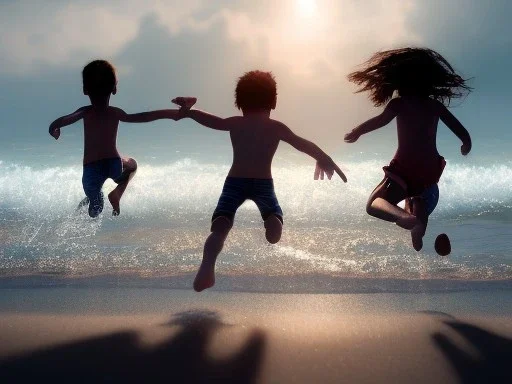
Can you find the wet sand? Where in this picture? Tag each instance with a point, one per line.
(247, 338)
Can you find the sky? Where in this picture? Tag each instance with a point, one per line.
(163, 49)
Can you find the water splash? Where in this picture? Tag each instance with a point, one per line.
(166, 212)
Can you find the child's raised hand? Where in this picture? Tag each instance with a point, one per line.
(465, 149)
(55, 132)
(328, 168)
(185, 102)
(352, 136)
(319, 172)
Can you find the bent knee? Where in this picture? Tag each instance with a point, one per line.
(130, 164)
(274, 229)
(369, 209)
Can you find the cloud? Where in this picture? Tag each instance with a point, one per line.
(337, 35)
(38, 34)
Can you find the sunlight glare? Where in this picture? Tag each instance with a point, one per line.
(306, 8)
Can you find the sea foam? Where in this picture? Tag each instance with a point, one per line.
(166, 211)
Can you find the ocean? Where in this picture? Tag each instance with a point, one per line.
(329, 243)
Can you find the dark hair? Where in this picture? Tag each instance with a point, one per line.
(256, 90)
(409, 71)
(99, 78)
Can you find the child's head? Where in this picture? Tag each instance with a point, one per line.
(409, 71)
(256, 90)
(99, 79)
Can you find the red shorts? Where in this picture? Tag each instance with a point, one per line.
(412, 178)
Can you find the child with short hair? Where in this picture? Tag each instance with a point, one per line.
(101, 158)
(255, 138)
(424, 82)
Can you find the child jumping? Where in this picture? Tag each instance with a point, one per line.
(255, 138)
(101, 159)
(424, 82)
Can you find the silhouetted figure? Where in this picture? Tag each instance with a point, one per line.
(424, 82)
(488, 362)
(101, 158)
(255, 138)
(121, 358)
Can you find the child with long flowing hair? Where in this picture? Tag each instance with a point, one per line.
(417, 85)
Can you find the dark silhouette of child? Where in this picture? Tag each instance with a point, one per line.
(424, 83)
(101, 158)
(255, 138)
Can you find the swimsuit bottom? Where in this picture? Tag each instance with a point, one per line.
(94, 176)
(238, 189)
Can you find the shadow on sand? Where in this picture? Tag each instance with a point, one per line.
(119, 357)
(488, 359)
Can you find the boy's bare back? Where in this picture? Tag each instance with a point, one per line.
(100, 133)
(255, 140)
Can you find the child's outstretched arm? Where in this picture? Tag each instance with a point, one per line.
(377, 122)
(207, 119)
(324, 162)
(201, 117)
(63, 121)
(146, 117)
(457, 128)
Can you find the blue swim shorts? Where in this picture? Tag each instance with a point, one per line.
(94, 176)
(238, 189)
(431, 197)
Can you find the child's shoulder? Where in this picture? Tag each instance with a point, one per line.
(110, 111)
(81, 112)
(401, 102)
(115, 112)
(396, 102)
(113, 109)
(243, 120)
(277, 124)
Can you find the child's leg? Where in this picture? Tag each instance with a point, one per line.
(383, 204)
(421, 207)
(273, 228)
(129, 169)
(263, 194)
(231, 198)
(213, 245)
(417, 207)
(92, 182)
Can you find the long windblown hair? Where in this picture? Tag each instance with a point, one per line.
(409, 71)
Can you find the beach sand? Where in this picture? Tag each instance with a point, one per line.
(155, 335)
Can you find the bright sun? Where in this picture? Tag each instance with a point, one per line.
(306, 8)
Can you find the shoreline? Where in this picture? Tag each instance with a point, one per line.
(135, 301)
(297, 284)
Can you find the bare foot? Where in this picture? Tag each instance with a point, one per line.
(205, 277)
(442, 245)
(417, 234)
(407, 222)
(113, 197)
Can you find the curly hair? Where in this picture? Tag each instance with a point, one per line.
(99, 78)
(409, 71)
(256, 90)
